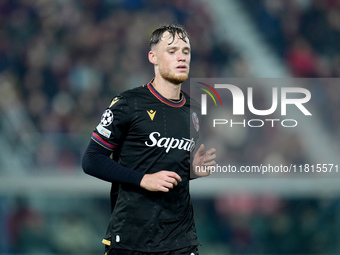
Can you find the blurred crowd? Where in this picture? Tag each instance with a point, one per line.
(32, 225)
(229, 224)
(305, 34)
(69, 58)
(266, 224)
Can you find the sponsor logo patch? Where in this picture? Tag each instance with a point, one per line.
(170, 142)
(115, 100)
(103, 131)
(151, 114)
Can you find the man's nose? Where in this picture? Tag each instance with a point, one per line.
(181, 56)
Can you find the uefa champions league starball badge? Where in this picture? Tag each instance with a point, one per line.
(107, 118)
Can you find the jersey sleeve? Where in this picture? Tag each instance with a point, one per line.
(113, 124)
(106, 137)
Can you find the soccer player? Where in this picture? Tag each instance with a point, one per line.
(142, 145)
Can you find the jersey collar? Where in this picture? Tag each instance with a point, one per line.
(173, 103)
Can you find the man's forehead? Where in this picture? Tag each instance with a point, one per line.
(168, 38)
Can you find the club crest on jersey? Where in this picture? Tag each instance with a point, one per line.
(195, 121)
(107, 118)
(151, 114)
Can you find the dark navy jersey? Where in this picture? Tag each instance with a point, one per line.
(148, 133)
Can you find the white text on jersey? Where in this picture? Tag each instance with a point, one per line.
(170, 143)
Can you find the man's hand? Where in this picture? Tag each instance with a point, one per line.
(160, 181)
(204, 161)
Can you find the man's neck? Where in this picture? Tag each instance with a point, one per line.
(167, 89)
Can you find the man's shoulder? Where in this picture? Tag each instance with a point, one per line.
(190, 100)
(122, 99)
(131, 94)
(134, 91)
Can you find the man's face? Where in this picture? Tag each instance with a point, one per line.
(172, 58)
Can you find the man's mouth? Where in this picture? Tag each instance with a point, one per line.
(182, 67)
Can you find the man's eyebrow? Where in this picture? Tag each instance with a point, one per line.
(171, 47)
(176, 48)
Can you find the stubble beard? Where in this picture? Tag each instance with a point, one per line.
(173, 78)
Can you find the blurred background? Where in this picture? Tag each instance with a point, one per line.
(61, 62)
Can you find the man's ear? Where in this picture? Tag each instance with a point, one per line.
(152, 57)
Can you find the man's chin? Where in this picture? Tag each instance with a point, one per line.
(178, 79)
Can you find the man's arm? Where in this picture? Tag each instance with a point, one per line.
(97, 162)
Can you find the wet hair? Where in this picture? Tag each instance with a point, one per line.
(172, 29)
